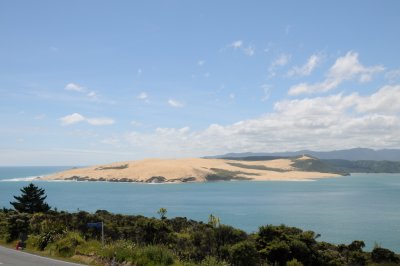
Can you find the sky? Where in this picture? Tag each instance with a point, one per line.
(92, 82)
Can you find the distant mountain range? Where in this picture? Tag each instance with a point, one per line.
(356, 154)
(358, 160)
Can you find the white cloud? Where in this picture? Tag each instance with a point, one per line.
(232, 96)
(386, 101)
(201, 62)
(248, 50)
(92, 95)
(321, 123)
(307, 68)
(72, 119)
(345, 68)
(74, 87)
(143, 96)
(77, 118)
(280, 61)
(139, 72)
(175, 103)
(100, 121)
(236, 44)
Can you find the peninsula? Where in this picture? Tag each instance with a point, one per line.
(297, 168)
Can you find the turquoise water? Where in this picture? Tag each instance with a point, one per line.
(362, 206)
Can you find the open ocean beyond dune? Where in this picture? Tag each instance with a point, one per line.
(358, 207)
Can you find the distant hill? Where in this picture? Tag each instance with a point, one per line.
(364, 166)
(356, 154)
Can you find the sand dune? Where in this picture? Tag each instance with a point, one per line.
(191, 170)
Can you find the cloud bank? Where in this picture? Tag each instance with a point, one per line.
(321, 123)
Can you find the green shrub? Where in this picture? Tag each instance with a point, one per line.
(154, 255)
(244, 254)
(89, 248)
(382, 255)
(33, 242)
(65, 247)
(121, 250)
(294, 262)
(212, 261)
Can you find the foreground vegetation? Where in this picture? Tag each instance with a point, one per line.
(139, 240)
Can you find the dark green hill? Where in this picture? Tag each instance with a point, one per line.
(365, 166)
(336, 166)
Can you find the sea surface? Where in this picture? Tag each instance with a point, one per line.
(357, 207)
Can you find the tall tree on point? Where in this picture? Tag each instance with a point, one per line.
(31, 200)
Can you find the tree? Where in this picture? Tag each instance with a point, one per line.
(162, 212)
(31, 200)
(244, 254)
(214, 221)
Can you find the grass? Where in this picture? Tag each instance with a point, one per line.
(118, 167)
(225, 175)
(258, 167)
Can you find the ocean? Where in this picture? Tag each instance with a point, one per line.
(357, 207)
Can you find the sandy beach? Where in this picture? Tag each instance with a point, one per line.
(192, 170)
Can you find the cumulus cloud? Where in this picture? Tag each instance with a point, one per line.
(307, 68)
(72, 119)
(322, 123)
(74, 87)
(345, 68)
(77, 118)
(175, 103)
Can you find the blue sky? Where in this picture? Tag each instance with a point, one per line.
(87, 82)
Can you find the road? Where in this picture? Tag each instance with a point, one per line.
(11, 257)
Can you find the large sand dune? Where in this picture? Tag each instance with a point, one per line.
(192, 170)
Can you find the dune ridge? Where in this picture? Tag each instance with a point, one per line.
(195, 170)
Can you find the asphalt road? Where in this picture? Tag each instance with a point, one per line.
(11, 257)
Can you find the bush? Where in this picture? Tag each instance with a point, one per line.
(154, 255)
(88, 248)
(212, 261)
(121, 250)
(294, 262)
(380, 255)
(244, 254)
(65, 247)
